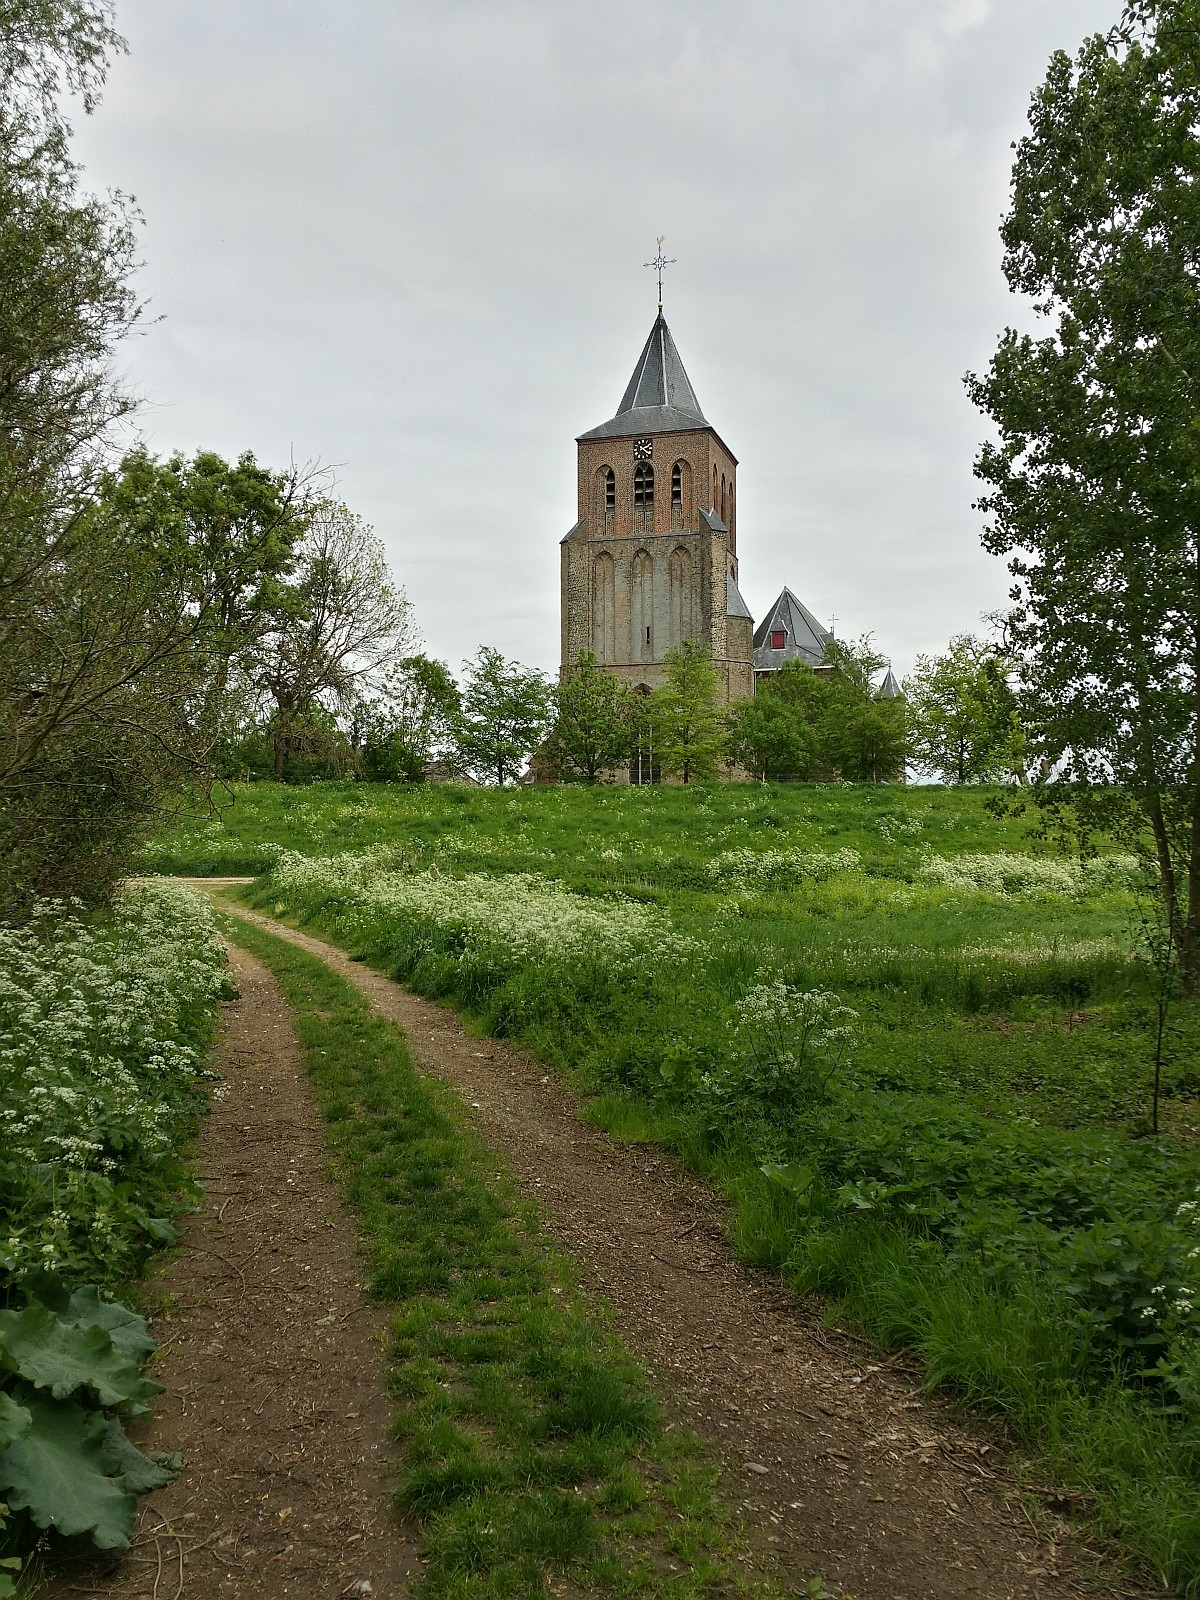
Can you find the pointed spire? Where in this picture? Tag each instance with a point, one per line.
(659, 397)
(659, 378)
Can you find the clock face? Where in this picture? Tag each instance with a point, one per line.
(643, 449)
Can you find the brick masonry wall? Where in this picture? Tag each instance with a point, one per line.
(625, 537)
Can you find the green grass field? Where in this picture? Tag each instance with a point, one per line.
(963, 1166)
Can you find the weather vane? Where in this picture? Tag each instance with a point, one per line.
(660, 261)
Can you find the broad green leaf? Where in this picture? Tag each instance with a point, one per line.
(797, 1180)
(54, 1354)
(59, 1473)
(14, 1420)
(139, 1471)
(127, 1330)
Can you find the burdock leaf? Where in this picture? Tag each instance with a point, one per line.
(52, 1353)
(59, 1474)
(140, 1472)
(15, 1420)
(125, 1328)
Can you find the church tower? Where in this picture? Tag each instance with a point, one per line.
(652, 558)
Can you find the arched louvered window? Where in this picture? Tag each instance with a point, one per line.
(610, 492)
(643, 496)
(723, 519)
(677, 484)
(716, 491)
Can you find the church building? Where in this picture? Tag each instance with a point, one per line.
(652, 558)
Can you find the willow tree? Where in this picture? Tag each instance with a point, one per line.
(1093, 483)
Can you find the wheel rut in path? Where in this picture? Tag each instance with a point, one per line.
(841, 1465)
(270, 1356)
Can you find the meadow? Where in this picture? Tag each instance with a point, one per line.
(910, 1042)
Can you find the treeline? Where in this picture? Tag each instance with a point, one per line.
(955, 719)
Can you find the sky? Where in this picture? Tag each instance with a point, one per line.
(407, 240)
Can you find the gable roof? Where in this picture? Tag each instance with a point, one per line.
(805, 637)
(659, 397)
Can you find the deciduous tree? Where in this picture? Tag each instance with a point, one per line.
(1093, 486)
(962, 718)
(688, 724)
(863, 736)
(592, 723)
(505, 715)
(345, 622)
(778, 735)
(408, 720)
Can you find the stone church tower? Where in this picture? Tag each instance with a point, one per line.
(652, 559)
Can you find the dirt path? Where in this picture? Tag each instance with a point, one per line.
(275, 1388)
(843, 1466)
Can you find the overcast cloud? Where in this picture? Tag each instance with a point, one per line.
(408, 240)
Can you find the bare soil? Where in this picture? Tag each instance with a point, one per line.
(275, 1389)
(841, 1464)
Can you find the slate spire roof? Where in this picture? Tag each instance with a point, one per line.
(659, 398)
(804, 638)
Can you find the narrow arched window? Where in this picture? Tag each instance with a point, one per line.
(610, 492)
(723, 499)
(677, 484)
(643, 495)
(715, 494)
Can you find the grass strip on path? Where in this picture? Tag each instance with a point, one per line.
(536, 1457)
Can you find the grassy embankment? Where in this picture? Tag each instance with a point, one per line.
(533, 1447)
(968, 1174)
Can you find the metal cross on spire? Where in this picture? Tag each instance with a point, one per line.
(660, 261)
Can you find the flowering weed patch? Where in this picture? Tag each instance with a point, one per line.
(1008, 873)
(103, 1032)
(482, 921)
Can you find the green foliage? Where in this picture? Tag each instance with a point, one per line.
(103, 1031)
(804, 725)
(51, 47)
(1092, 487)
(534, 1453)
(408, 721)
(864, 736)
(966, 1175)
(505, 714)
(778, 734)
(788, 1044)
(65, 1460)
(962, 714)
(686, 725)
(593, 724)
